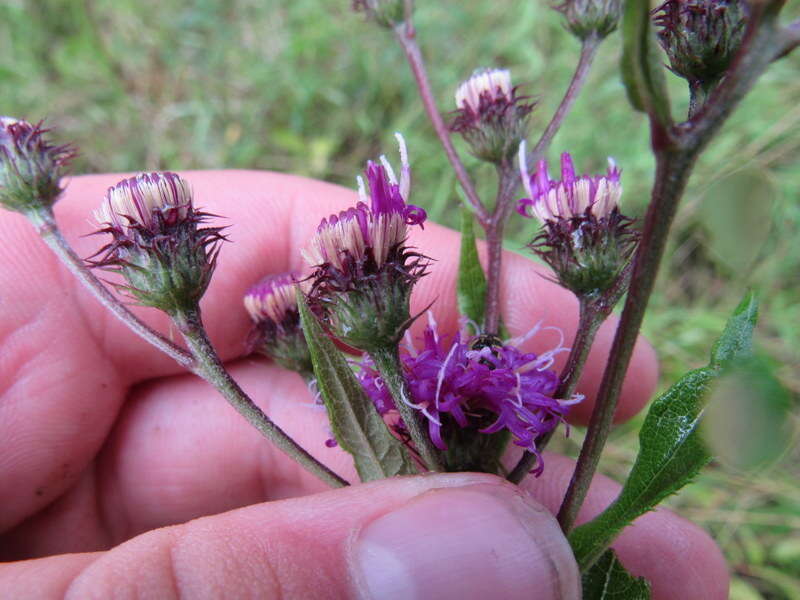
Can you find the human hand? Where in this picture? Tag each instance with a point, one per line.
(104, 442)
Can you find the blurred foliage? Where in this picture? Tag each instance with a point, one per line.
(305, 86)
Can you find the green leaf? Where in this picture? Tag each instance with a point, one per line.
(736, 341)
(471, 287)
(671, 448)
(357, 426)
(608, 580)
(642, 72)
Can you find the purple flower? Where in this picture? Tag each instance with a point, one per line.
(272, 306)
(585, 238)
(376, 225)
(490, 115)
(455, 382)
(30, 166)
(572, 196)
(701, 37)
(157, 242)
(363, 270)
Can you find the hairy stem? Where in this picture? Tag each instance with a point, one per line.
(589, 322)
(406, 36)
(387, 362)
(676, 151)
(46, 226)
(210, 367)
(588, 52)
(507, 183)
(672, 173)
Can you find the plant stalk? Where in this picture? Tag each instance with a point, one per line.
(46, 226)
(676, 151)
(589, 321)
(210, 367)
(406, 36)
(387, 362)
(588, 53)
(504, 204)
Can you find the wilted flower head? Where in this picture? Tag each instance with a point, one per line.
(701, 37)
(490, 115)
(586, 18)
(158, 244)
(272, 305)
(386, 13)
(363, 270)
(461, 383)
(571, 196)
(30, 166)
(585, 240)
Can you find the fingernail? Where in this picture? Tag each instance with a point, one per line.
(479, 541)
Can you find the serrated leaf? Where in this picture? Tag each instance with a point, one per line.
(671, 447)
(736, 341)
(357, 426)
(471, 286)
(642, 71)
(608, 580)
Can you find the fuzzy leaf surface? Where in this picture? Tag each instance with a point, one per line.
(608, 580)
(357, 426)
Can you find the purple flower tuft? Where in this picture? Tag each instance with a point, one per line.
(454, 381)
(572, 196)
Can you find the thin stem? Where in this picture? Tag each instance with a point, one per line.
(588, 53)
(387, 362)
(672, 173)
(507, 183)
(210, 367)
(589, 322)
(698, 96)
(676, 151)
(406, 36)
(47, 228)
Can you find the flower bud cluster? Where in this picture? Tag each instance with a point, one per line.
(277, 333)
(701, 37)
(586, 240)
(158, 245)
(363, 270)
(490, 115)
(591, 18)
(30, 166)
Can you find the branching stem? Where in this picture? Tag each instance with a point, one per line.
(210, 368)
(47, 228)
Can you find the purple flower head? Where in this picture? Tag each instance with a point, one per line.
(571, 196)
(363, 270)
(376, 225)
(31, 167)
(456, 382)
(701, 37)
(490, 115)
(277, 333)
(158, 243)
(148, 201)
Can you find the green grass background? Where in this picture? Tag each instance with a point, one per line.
(305, 86)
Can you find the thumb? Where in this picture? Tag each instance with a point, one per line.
(437, 536)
